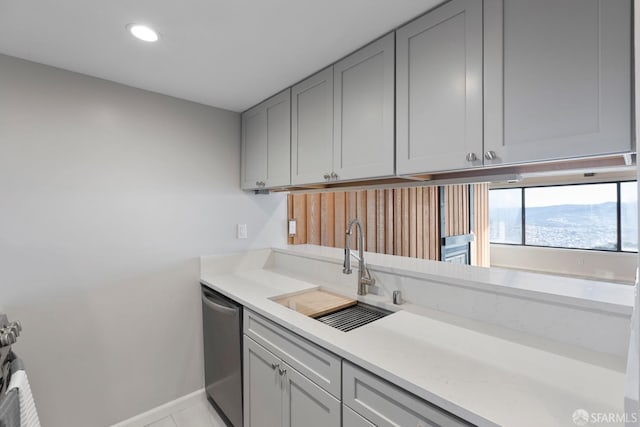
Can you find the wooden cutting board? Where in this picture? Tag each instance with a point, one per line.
(316, 303)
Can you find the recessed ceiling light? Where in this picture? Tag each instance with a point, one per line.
(143, 32)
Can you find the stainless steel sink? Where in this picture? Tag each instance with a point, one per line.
(353, 317)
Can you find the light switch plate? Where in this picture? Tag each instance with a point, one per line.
(292, 227)
(242, 231)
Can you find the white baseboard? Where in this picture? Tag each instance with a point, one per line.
(165, 410)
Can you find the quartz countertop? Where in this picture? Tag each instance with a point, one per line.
(478, 372)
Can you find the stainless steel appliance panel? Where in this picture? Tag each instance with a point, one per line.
(222, 328)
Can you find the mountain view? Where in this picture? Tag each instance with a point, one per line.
(567, 226)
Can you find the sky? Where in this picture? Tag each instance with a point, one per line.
(564, 195)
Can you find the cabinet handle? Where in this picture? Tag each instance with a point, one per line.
(471, 157)
(275, 365)
(490, 155)
(283, 371)
(327, 176)
(334, 175)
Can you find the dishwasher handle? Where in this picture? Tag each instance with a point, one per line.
(218, 304)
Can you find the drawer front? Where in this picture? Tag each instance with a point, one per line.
(319, 365)
(352, 419)
(385, 404)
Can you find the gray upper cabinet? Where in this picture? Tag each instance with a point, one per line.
(312, 129)
(477, 83)
(439, 90)
(557, 79)
(266, 143)
(363, 132)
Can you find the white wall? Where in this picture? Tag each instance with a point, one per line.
(108, 196)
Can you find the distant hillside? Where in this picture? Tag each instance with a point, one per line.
(572, 214)
(571, 226)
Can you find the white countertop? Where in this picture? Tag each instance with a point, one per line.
(593, 294)
(469, 371)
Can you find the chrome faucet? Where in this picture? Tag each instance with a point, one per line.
(364, 277)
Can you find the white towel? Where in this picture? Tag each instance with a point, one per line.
(28, 412)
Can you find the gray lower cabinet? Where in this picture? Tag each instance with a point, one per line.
(439, 90)
(386, 405)
(288, 381)
(262, 384)
(307, 405)
(291, 382)
(352, 419)
(557, 79)
(278, 395)
(266, 143)
(314, 362)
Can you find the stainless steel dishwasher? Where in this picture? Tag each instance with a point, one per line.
(222, 330)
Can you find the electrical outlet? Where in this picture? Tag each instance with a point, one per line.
(242, 231)
(292, 227)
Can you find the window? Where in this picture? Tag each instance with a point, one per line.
(572, 216)
(583, 216)
(629, 216)
(505, 218)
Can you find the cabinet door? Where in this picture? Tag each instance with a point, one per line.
(363, 112)
(307, 405)
(314, 362)
(312, 128)
(352, 419)
(278, 110)
(557, 79)
(262, 386)
(439, 90)
(266, 143)
(254, 147)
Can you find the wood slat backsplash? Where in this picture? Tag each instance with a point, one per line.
(481, 225)
(401, 221)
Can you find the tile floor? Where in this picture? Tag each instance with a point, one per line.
(199, 415)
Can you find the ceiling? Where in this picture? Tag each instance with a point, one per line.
(225, 53)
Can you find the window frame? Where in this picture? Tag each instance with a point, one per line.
(523, 216)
